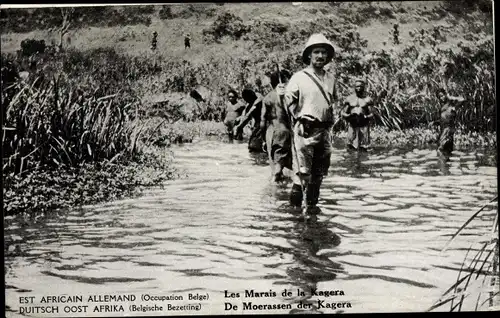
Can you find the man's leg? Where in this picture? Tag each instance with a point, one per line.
(296, 194)
(351, 136)
(255, 140)
(281, 149)
(446, 141)
(364, 136)
(229, 128)
(320, 166)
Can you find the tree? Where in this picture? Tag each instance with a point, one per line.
(67, 15)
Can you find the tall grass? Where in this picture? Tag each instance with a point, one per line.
(403, 80)
(65, 144)
(478, 283)
(403, 83)
(53, 125)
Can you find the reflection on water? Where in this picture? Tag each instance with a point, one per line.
(385, 217)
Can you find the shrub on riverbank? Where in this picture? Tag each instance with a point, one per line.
(63, 145)
(402, 81)
(39, 191)
(424, 137)
(186, 132)
(53, 125)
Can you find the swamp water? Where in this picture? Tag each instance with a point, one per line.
(386, 216)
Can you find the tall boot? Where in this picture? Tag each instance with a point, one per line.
(296, 195)
(312, 194)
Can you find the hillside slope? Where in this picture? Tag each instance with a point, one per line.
(374, 22)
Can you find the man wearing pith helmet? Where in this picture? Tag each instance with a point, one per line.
(310, 97)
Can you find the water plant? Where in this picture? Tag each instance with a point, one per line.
(479, 275)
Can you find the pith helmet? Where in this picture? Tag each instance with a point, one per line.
(317, 39)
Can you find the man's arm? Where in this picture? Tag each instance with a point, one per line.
(263, 113)
(345, 107)
(369, 105)
(457, 100)
(246, 117)
(289, 95)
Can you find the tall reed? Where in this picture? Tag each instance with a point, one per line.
(479, 275)
(52, 124)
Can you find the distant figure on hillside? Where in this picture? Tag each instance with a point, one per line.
(187, 41)
(154, 41)
(234, 109)
(357, 113)
(276, 124)
(448, 105)
(253, 111)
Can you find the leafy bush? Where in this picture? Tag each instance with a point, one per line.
(226, 24)
(42, 190)
(185, 11)
(98, 71)
(66, 141)
(166, 13)
(30, 47)
(26, 20)
(467, 6)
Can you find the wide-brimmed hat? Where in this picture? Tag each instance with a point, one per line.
(316, 40)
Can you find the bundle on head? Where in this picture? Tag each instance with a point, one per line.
(284, 76)
(232, 91)
(248, 95)
(196, 95)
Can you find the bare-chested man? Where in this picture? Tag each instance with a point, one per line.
(276, 124)
(447, 120)
(253, 111)
(234, 109)
(357, 113)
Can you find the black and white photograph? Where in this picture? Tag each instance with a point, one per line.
(237, 158)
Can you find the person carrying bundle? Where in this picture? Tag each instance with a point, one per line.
(276, 124)
(253, 111)
(448, 114)
(357, 113)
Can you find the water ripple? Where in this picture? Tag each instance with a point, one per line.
(385, 217)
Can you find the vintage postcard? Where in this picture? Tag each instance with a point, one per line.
(249, 158)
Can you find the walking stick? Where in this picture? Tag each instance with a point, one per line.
(292, 124)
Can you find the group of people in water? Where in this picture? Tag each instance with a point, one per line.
(294, 121)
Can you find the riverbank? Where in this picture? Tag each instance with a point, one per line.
(40, 191)
(380, 136)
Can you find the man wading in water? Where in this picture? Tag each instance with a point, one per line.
(278, 136)
(358, 114)
(252, 111)
(447, 120)
(234, 108)
(310, 96)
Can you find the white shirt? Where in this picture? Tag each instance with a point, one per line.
(307, 98)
